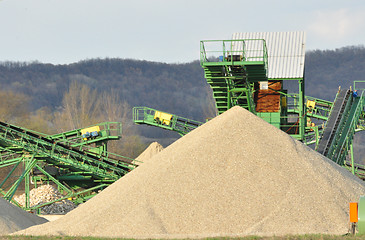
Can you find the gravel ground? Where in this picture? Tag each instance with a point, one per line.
(13, 218)
(235, 175)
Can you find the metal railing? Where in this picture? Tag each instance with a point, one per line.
(242, 50)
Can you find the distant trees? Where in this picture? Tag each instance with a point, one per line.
(82, 107)
(326, 70)
(14, 107)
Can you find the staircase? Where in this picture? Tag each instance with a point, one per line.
(232, 76)
(232, 83)
(217, 79)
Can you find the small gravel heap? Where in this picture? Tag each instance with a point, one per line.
(235, 175)
(150, 151)
(13, 218)
(47, 193)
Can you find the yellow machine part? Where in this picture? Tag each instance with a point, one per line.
(311, 104)
(283, 102)
(90, 129)
(165, 118)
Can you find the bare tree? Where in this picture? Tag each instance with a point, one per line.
(113, 109)
(80, 108)
(13, 107)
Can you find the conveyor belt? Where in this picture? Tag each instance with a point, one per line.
(59, 153)
(333, 121)
(149, 116)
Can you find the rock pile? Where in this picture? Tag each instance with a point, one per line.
(47, 193)
(235, 175)
(13, 218)
(150, 151)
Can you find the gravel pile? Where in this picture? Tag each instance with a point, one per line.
(235, 175)
(47, 193)
(13, 218)
(150, 151)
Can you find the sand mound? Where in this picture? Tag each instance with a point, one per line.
(235, 175)
(13, 218)
(150, 151)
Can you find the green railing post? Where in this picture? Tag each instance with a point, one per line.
(352, 159)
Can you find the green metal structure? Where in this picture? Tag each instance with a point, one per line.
(77, 162)
(238, 76)
(232, 78)
(235, 79)
(153, 117)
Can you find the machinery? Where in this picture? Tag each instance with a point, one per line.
(77, 162)
(264, 73)
(153, 117)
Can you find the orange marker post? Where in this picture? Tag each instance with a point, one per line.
(353, 217)
(353, 212)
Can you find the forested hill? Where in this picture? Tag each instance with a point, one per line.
(326, 70)
(180, 88)
(177, 88)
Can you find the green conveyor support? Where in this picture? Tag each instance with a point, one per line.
(342, 130)
(361, 215)
(108, 131)
(321, 110)
(145, 115)
(30, 151)
(344, 135)
(57, 153)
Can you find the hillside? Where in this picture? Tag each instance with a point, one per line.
(167, 86)
(326, 70)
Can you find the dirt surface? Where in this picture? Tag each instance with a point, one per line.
(13, 218)
(235, 175)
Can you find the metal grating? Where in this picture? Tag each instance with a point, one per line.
(286, 52)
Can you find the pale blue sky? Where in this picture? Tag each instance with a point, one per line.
(66, 31)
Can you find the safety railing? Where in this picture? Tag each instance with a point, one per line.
(242, 50)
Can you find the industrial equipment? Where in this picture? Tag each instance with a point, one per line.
(264, 73)
(252, 73)
(153, 117)
(77, 162)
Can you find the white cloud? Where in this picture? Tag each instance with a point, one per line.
(336, 24)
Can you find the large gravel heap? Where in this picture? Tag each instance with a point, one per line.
(47, 193)
(235, 175)
(13, 218)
